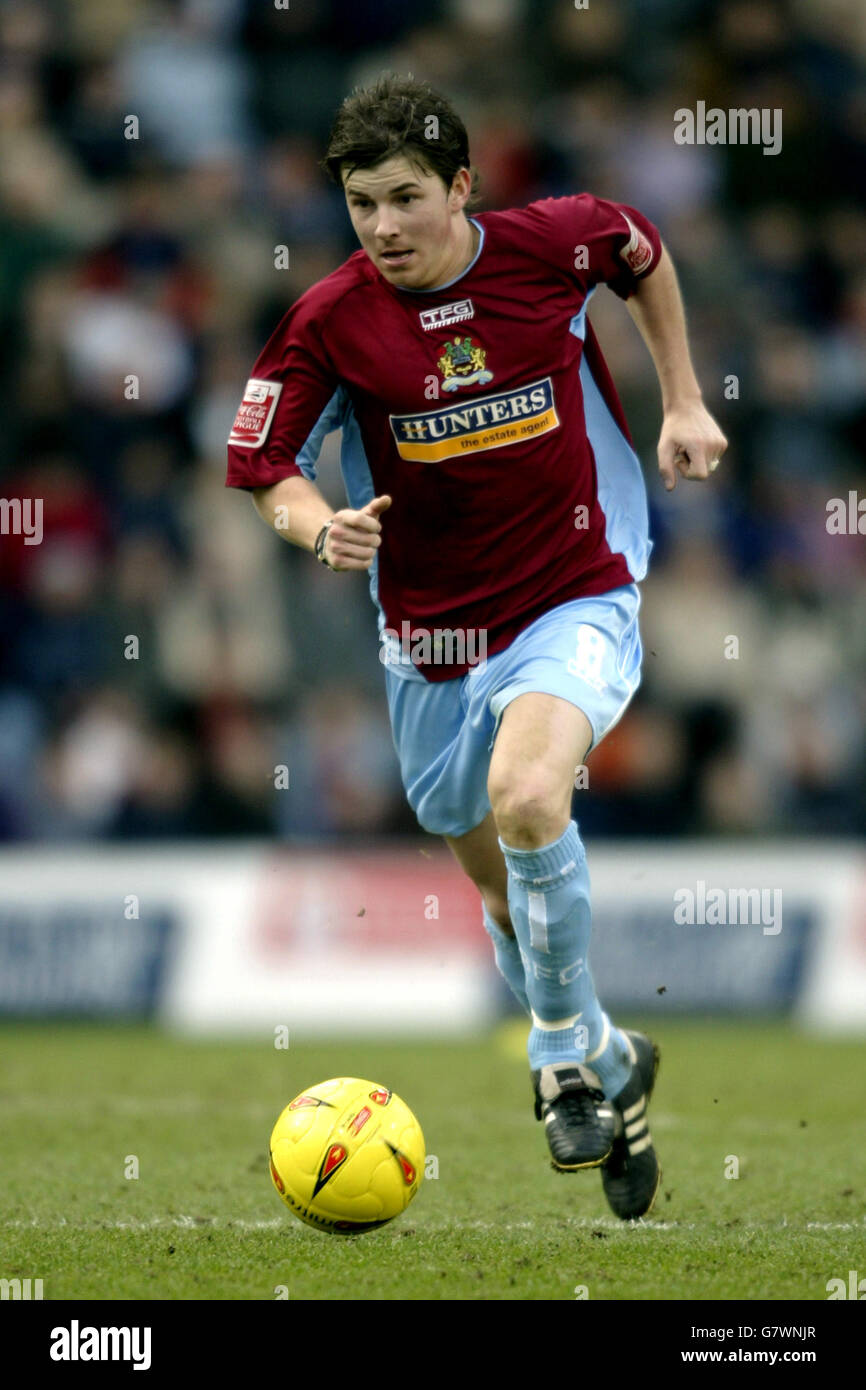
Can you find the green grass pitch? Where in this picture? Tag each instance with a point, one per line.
(202, 1220)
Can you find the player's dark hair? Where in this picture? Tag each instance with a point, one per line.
(393, 117)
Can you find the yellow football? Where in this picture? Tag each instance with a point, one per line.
(347, 1155)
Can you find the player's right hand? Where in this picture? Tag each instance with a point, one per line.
(354, 537)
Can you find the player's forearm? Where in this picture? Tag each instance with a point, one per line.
(657, 309)
(295, 508)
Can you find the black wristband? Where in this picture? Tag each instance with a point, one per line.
(319, 547)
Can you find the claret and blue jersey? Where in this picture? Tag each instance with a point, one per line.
(483, 407)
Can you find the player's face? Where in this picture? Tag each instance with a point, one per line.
(413, 229)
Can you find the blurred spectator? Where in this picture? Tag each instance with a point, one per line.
(343, 771)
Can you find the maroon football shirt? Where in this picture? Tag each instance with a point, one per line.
(484, 407)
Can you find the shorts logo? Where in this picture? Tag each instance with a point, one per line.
(463, 364)
(637, 252)
(487, 422)
(256, 411)
(447, 314)
(588, 658)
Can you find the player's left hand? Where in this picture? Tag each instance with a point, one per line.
(691, 443)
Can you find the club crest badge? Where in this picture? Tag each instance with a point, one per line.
(463, 363)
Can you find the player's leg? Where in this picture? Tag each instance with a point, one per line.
(541, 739)
(443, 764)
(479, 855)
(589, 654)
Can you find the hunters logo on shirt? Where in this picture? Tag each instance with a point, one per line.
(489, 422)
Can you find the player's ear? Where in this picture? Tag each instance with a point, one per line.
(461, 186)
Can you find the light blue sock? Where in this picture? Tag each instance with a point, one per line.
(508, 959)
(548, 898)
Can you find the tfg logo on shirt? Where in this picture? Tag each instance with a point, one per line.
(447, 314)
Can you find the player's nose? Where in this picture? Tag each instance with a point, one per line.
(387, 227)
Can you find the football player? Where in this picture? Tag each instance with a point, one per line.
(496, 500)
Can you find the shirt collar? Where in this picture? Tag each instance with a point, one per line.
(434, 289)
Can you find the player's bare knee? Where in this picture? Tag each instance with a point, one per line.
(528, 817)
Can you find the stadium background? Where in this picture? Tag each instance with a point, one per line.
(151, 867)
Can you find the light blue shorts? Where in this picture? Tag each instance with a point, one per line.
(587, 651)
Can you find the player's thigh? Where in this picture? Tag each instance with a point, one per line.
(541, 740)
(479, 855)
(565, 681)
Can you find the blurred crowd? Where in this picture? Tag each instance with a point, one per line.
(163, 656)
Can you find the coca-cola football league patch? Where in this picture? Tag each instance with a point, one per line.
(256, 411)
(637, 252)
